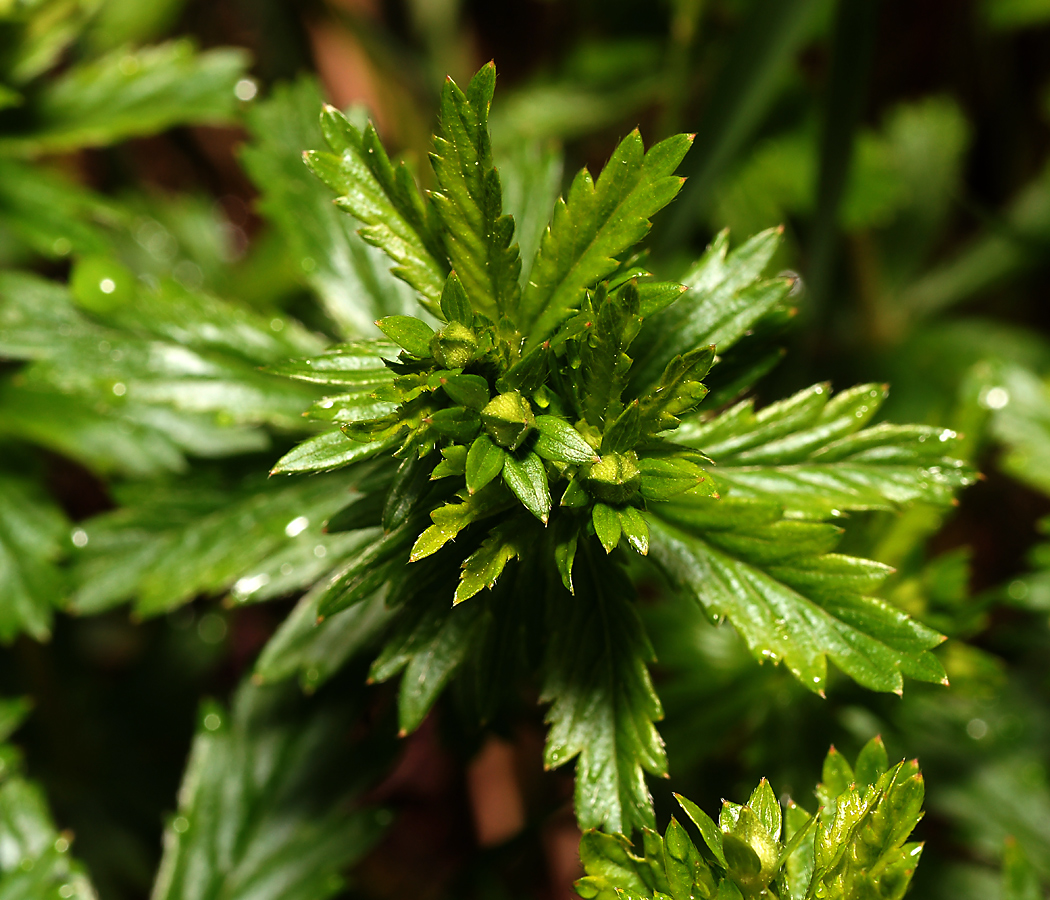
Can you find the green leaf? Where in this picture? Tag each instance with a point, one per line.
(606, 526)
(267, 802)
(315, 651)
(527, 478)
(765, 805)
(667, 477)
(484, 565)
(367, 571)
(53, 214)
(603, 702)
(452, 518)
(788, 597)
(872, 762)
(709, 831)
(455, 306)
(456, 423)
(166, 546)
(408, 332)
(351, 277)
(125, 95)
(726, 297)
(469, 198)
(467, 390)
(812, 454)
(328, 451)
(678, 392)
(598, 222)
(36, 861)
(33, 536)
(429, 646)
(385, 200)
(558, 441)
(634, 528)
(484, 462)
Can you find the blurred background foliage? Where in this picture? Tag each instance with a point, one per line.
(153, 148)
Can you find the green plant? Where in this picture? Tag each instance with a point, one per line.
(521, 413)
(549, 471)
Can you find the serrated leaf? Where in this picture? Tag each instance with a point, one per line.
(603, 702)
(725, 299)
(558, 441)
(385, 200)
(678, 392)
(469, 198)
(484, 462)
(604, 364)
(110, 99)
(737, 564)
(430, 646)
(812, 454)
(527, 478)
(484, 565)
(278, 775)
(166, 546)
(452, 518)
(36, 861)
(597, 222)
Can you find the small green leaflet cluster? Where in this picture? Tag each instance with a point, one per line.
(854, 847)
(548, 411)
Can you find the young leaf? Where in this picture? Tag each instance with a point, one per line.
(408, 332)
(597, 223)
(527, 478)
(429, 646)
(558, 441)
(452, 518)
(469, 199)
(603, 702)
(484, 462)
(484, 565)
(606, 526)
(725, 299)
(325, 452)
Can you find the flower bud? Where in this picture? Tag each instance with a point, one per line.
(614, 478)
(508, 419)
(453, 347)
